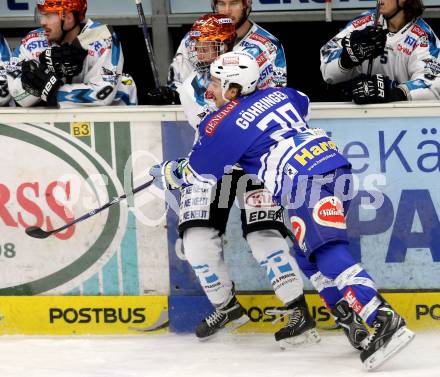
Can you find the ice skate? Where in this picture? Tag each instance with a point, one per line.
(300, 326)
(351, 323)
(390, 336)
(231, 316)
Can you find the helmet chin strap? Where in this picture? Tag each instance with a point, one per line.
(399, 8)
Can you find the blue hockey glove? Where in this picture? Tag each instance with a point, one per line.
(171, 175)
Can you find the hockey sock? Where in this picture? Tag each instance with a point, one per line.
(335, 262)
(326, 287)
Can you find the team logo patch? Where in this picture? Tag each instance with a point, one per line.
(259, 198)
(353, 301)
(330, 212)
(299, 230)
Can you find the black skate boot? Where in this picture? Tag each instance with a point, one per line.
(351, 323)
(232, 316)
(300, 326)
(389, 337)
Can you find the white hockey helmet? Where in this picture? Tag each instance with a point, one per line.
(236, 67)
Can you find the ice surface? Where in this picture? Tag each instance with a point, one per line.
(228, 355)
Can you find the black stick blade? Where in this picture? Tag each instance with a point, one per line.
(37, 232)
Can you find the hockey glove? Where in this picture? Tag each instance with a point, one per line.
(362, 45)
(376, 89)
(171, 175)
(65, 61)
(162, 96)
(40, 81)
(4, 92)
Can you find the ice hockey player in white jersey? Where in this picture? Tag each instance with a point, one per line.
(211, 35)
(4, 61)
(404, 49)
(46, 68)
(250, 37)
(266, 132)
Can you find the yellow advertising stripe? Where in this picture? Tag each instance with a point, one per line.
(420, 310)
(67, 315)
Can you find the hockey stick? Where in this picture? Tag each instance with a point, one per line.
(37, 232)
(376, 19)
(83, 40)
(141, 14)
(328, 10)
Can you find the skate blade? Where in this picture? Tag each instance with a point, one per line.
(310, 336)
(398, 341)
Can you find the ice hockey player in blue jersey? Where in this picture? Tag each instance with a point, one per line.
(266, 132)
(204, 213)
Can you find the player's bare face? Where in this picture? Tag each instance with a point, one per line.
(231, 8)
(215, 92)
(51, 24)
(389, 7)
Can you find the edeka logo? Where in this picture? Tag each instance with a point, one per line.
(97, 315)
(49, 178)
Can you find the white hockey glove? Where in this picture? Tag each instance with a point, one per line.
(171, 175)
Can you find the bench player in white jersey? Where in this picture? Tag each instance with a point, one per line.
(250, 37)
(47, 69)
(404, 49)
(5, 54)
(266, 132)
(201, 226)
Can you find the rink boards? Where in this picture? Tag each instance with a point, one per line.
(105, 315)
(123, 271)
